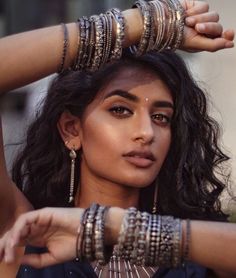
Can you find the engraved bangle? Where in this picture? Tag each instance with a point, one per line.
(160, 24)
(83, 61)
(143, 44)
(81, 39)
(108, 38)
(186, 243)
(180, 17)
(99, 42)
(91, 46)
(117, 16)
(80, 235)
(88, 233)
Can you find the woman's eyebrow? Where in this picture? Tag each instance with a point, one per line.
(123, 94)
(131, 97)
(163, 103)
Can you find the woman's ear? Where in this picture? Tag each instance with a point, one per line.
(69, 129)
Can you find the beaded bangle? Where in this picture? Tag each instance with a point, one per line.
(154, 239)
(176, 253)
(166, 241)
(158, 231)
(99, 244)
(142, 238)
(65, 47)
(148, 237)
(126, 235)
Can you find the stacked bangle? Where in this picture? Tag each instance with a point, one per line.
(163, 26)
(144, 239)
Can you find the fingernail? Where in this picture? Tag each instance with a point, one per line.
(229, 44)
(200, 27)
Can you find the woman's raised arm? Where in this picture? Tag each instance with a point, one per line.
(29, 56)
(211, 244)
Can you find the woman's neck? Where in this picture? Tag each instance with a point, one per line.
(106, 193)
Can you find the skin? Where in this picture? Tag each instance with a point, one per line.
(128, 115)
(42, 47)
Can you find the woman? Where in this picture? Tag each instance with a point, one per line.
(157, 125)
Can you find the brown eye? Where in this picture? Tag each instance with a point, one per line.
(161, 118)
(120, 110)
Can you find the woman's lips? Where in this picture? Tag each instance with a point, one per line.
(140, 159)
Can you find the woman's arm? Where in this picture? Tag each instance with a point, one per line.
(32, 55)
(212, 244)
(12, 204)
(12, 201)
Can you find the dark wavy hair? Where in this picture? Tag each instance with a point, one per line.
(191, 179)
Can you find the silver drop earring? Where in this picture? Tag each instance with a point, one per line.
(73, 156)
(154, 207)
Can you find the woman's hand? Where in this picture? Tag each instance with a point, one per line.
(54, 228)
(203, 30)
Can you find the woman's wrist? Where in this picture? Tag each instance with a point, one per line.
(133, 28)
(113, 221)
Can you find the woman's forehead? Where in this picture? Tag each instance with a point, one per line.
(128, 78)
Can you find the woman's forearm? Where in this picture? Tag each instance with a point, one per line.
(212, 244)
(29, 56)
(12, 201)
(32, 55)
(6, 192)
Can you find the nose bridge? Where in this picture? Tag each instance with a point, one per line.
(144, 126)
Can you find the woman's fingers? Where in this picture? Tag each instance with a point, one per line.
(211, 29)
(228, 35)
(191, 21)
(208, 44)
(195, 7)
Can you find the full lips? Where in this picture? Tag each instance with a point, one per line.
(138, 161)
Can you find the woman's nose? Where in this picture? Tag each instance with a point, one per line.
(143, 129)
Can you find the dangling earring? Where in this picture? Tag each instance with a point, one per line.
(73, 156)
(154, 207)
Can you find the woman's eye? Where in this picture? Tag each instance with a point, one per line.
(120, 111)
(161, 118)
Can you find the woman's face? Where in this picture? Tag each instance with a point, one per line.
(125, 132)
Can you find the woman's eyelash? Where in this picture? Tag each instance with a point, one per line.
(120, 110)
(162, 117)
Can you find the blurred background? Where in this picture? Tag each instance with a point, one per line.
(215, 72)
